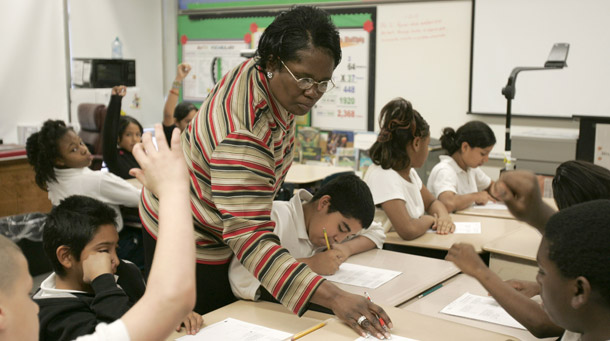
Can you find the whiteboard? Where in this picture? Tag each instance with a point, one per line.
(510, 33)
(423, 55)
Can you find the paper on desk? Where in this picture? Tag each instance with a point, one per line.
(464, 228)
(394, 338)
(480, 308)
(362, 276)
(491, 206)
(231, 329)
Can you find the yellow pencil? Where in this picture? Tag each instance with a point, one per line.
(326, 238)
(307, 331)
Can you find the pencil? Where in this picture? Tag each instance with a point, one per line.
(307, 331)
(326, 238)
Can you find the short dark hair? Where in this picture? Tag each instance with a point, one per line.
(578, 181)
(476, 133)
(124, 121)
(73, 223)
(579, 243)
(42, 149)
(399, 124)
(183, 109)
(351, 197)
(300, 28)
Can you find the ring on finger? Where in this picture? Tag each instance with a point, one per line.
(361, 319)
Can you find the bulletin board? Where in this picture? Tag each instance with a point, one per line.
(205, 39)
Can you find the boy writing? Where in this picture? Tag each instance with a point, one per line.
(170, 294)
(343, 209)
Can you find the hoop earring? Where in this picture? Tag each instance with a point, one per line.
(269, 74)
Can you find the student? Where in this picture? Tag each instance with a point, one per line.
(579, 181)
(121, 134)
(61, 161)
(79, 294)
(457, 181)
(80, 240)
(573, 274)
(574, 182)
(402, 146)
(343, 207)
(177, 116)
(170, 294)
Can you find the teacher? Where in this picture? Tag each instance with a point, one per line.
(238, 149)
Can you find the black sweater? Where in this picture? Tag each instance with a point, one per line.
(67, 316)
(118, 160)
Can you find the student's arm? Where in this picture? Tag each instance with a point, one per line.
(117, 191)
(455, 202)
(111, 129)
(407, 228)
(529, 313)
(443, 223)
(520, 191)
(171, 290)
(172, 97)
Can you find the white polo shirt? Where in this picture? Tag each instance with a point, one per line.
(448, 176)
(290, 228)
(387, 184)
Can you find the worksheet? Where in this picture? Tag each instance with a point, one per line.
(482, 308)
(491, 206)
(235, 330)
(464, 228)
(394, 338)
(362, 276)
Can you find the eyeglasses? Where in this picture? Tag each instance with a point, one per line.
(307, 83)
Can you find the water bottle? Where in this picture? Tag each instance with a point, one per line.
(117, 49)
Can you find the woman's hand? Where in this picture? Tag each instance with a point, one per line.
(349, 308)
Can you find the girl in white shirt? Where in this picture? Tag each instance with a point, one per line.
(457, 181)
(402, 145)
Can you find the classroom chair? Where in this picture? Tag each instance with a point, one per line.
(91, 120)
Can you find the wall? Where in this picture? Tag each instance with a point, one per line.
(32, 65)
(138, 24)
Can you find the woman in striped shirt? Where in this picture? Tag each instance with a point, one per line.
(238, 149)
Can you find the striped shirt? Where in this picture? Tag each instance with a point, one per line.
(238, 150)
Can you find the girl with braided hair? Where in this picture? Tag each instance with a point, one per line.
(457, 181)
(61, 160)
(401, 147)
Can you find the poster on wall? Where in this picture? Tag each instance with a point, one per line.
(210, 61)
(346, 106)
(602, 145)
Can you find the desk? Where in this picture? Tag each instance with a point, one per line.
(267, 314)
(299, 174)
(514, 255)
(418, 275)
(18, 190)
(432, 304)
(505, 214)
(411, 325)
(491, 229)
